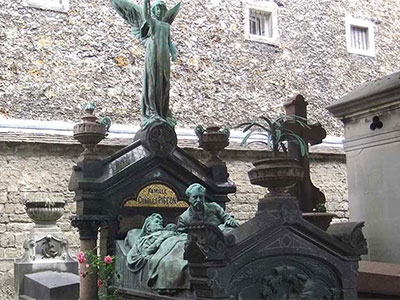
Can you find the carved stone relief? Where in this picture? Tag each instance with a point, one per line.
(275, 278)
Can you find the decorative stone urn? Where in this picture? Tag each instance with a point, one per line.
(277, 174)
(89, 132)
(213, 140)
(44, 211)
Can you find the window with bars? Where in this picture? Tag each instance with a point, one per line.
(360, 37)
(261, 22)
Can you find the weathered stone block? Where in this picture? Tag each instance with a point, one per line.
(7, 239)
(19, 209)
(6, 265)
(20, 238)
(52, 285)
(3, 197)
(9, 208)
(19, 227)
(3, 186)
(23, 218)
(4, 218)
(12, 252)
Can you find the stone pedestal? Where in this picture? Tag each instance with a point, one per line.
(371, 115)
(52, 285)
(46, 248)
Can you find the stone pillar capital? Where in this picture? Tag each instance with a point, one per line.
(88, 226)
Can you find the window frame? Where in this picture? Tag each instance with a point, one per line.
(265, 7)
(360, 23)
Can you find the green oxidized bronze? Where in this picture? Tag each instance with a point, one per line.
(156, 253)
(152, 28)
(202, 211)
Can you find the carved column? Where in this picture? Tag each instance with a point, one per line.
(88, 230)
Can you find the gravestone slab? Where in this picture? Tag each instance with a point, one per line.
(52, 285)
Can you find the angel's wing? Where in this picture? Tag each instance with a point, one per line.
(171, 14)
(133, 14)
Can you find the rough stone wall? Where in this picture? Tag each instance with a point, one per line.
(32, 170)
(51, 63)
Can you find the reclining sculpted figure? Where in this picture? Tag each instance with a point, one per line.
(157, 252)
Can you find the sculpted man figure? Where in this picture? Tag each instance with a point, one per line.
(202, 211)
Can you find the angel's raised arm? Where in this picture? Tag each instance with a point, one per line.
(147, 13)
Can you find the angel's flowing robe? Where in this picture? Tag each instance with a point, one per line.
(156, 77)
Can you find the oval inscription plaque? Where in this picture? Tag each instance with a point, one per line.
(155, 195)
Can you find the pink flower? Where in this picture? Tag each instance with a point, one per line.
(99, 283)
(83, 274)
(108, 259)
(87, 266)
(81, 257)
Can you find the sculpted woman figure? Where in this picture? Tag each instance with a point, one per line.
(156, 254)
(152, 27)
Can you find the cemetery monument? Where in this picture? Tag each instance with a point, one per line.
(161, 211)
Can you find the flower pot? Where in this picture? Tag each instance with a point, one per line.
(276, 172)
(320, 219)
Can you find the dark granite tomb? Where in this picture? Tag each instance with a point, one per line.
(276, 255)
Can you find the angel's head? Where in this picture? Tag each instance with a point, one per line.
(159, 9)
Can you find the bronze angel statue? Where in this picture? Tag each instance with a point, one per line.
(152, 27)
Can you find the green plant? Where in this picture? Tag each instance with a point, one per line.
(274, 133)
(105, 269)
(320, 207)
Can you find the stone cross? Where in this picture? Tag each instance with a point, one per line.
(307, 194)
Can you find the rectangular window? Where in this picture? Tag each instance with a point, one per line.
(360, 36)
(261, 23)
